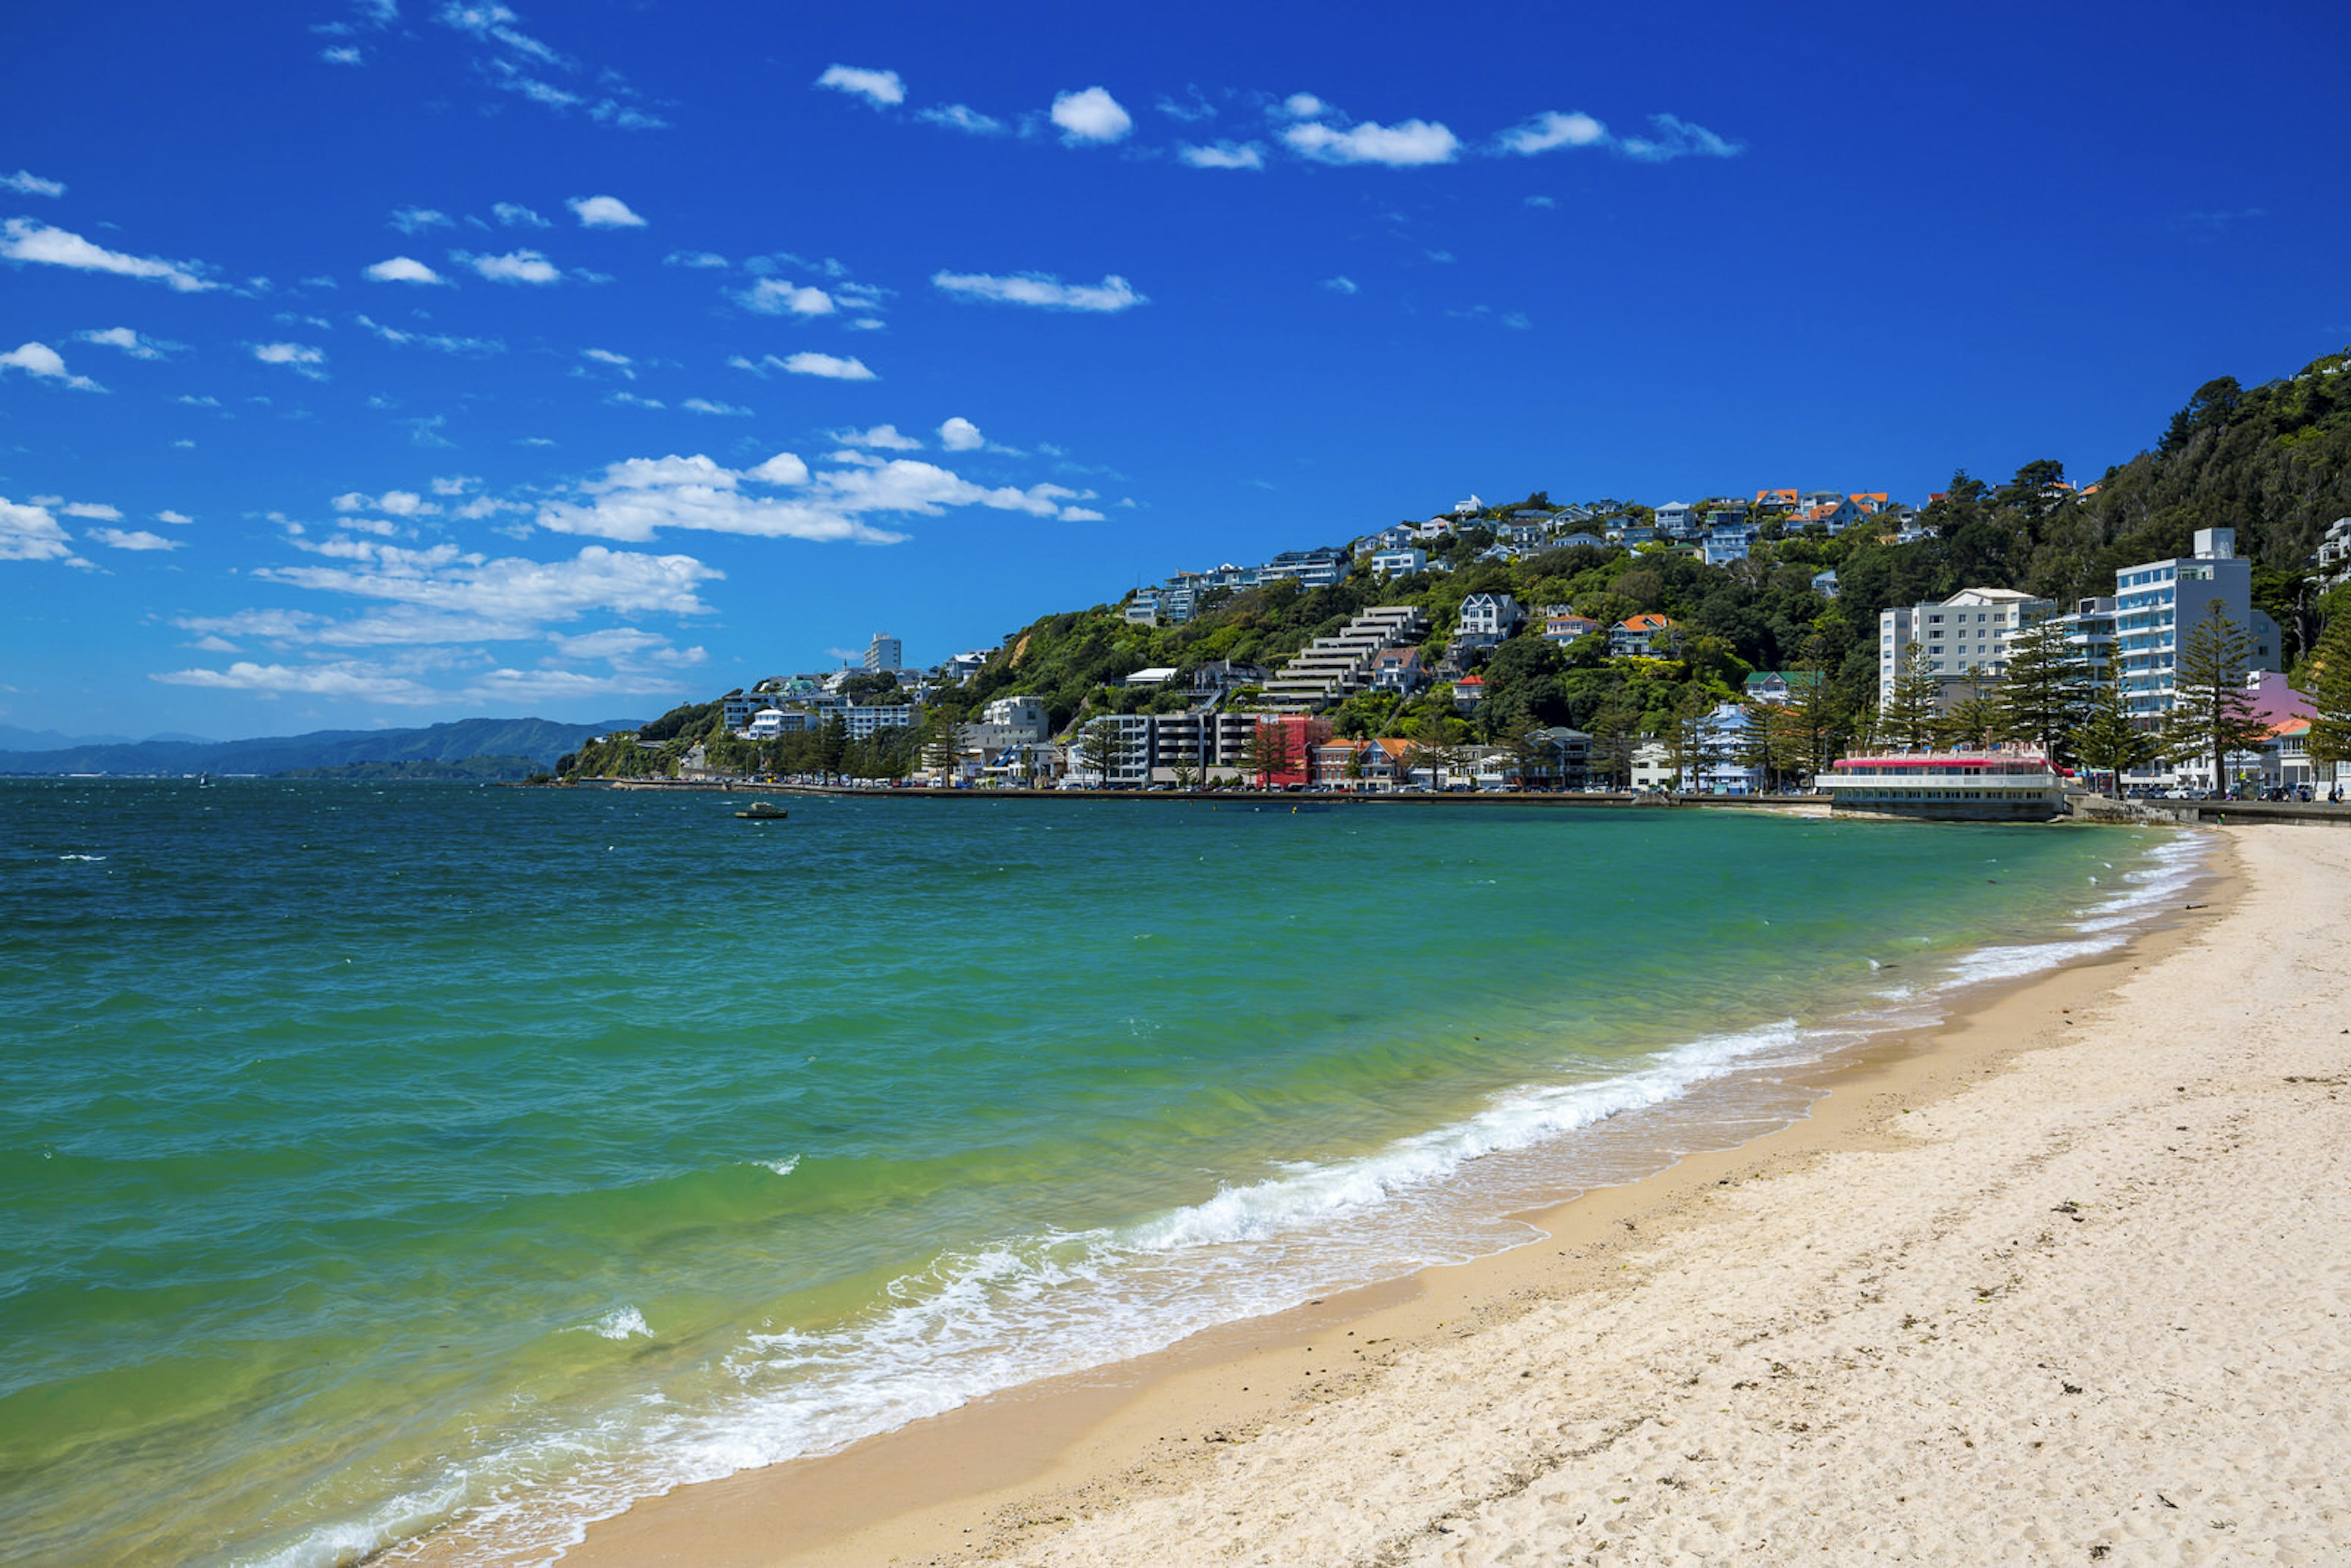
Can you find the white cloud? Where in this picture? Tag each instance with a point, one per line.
(169, 516)
(194, 401)
(1041, 290)
(1676, 139)
(631, 400)
(401, 269)
(1407, 145)
(881, 437)
(29, 533)
(1542, 202)
(964, 117)
(22, 239)
(604, 213)
(395, 503)
(92, 511)
(636, 501)
(416, 220)
(515, 267)
(1343, 283)
(1224, 155)
(442, 342)
(1091, 114)
(704, 405)
(515, 215)
(883, 89)
(774, 297)
(1081, 515)
(301, 357)
(960, 434)
(134, 540)
(341, 54)
(830, 366)
(607, 357)
(347, 680)
(131, 342)
(40, 360)
(24, 183)
(1303, 106)
(1550, 130)
(700, 258)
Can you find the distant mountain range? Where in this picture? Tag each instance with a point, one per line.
(538, 739)
(15, 739)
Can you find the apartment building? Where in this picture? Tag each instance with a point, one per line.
(2157, 603)
(1965, 636)
(1333, 668)
(884, 654)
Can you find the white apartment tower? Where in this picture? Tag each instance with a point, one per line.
(883, 654)
(2158, 603)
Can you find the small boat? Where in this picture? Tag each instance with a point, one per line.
(760, 811)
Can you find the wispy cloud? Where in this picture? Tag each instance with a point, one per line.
(515, 215)
(416, 220)
(134, 540)
(775, 297)
(132, 343)
(1671, 138)
(881, 89)
(22, 240)
(343, 54)
(1091, 116)
(782, 499)
(514, 267)
(1552, 130)
(1224, 155)
(28, 532)
(707, 406)
(1407, 144)
(1343, 283)
(41, 361)
(24, 183)
(830, 366)
(695, 258)
(1041, 290)
(302, 358)
(881, 438)
(514, 61)
(964, 117)
(438, 341)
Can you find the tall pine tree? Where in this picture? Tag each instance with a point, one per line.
(2330, 694)
(2211, 713)
(2045, 693)
(2108, 742)
(1911, 713)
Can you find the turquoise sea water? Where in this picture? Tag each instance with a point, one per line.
(441, 1158)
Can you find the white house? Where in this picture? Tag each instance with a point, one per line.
(1025, 714)
(1492, 615)
(1400, 562)
(1674, 516)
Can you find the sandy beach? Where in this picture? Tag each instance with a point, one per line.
(2065, 1280)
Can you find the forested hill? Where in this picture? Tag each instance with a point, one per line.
(2274, 461)
(504, 740)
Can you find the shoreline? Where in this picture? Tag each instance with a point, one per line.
(1000, 1475)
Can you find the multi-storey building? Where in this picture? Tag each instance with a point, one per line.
(1965, 636)
(2158, 602)
(1333, 668)
(883, 653)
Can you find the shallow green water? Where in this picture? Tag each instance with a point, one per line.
(443, 1157)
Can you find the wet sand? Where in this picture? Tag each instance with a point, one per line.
(1850, 1340)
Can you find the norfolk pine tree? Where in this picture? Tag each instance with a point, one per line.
(2211, 713)
(2108, 742)
(2045, 693)
(1908, 716)
(2330, 694)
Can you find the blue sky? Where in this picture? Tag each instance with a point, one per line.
(385, 362)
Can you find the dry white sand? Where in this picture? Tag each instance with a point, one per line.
(2094, 1307)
